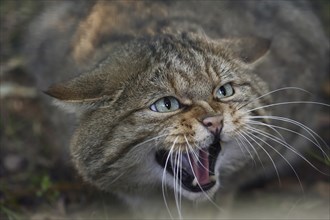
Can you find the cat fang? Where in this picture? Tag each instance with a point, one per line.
(195, 170)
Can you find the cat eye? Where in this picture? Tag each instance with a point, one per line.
(225, 91)
(166, 104)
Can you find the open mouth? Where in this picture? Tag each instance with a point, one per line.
(195, 170)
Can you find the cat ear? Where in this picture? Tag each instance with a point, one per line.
(81, 93)
(248, 49)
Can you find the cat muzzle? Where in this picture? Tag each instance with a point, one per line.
(195, 169)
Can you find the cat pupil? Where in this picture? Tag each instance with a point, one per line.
(223, 91)
(167, 103)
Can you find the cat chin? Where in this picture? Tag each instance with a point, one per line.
(201, 196)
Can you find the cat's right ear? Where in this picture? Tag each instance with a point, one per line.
(247, 49)
(82, 93)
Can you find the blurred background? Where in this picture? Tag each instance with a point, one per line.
(36, 184)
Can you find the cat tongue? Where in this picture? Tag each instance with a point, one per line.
(201, 167)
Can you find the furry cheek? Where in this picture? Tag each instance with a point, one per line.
(232, 124)
(187, 134)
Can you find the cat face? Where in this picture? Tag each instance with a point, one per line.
(165, 113)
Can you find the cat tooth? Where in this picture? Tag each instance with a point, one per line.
(213, 178)
(194, 182)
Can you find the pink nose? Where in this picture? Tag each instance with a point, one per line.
(213, 123)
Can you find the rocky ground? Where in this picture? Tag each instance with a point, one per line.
(36, 184)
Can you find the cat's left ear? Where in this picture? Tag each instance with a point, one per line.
(83, 93)
(247, 49)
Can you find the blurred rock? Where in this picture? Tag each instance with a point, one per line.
(14, 90)
(323, 189)
(13, 162)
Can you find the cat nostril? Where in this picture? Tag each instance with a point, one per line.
(208, 124)
(213, 123)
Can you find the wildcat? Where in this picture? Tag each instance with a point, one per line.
(179, 99)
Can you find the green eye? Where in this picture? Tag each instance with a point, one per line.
(225, 91)
(166, 104)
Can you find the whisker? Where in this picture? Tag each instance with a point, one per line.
(253, 148)
(206, 195)
(302, 189)
(304, 127)
(195, 154)
(287, 103)
(146, 141)
(267, 125)
(177, 183)
(197, 147)
(151, 139)
(174, 177)
(118, 177)
(164, 177)
(271, 92)
(180, 183)
(245, 147)
(271, 159)
(292, 131)
(240, 143)
(284, 144)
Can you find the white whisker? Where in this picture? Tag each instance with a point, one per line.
(280, 156)
(197, 147)
(271, 159)
(255, 151)
(245, 147)
(284, 144)
(266, 125)
(174, 177)
(240, 145)
(304, 127)
(287, 103)
(164, 177)
(196, 156)
(180, 192)
(177, 182)
(191, 166)
(151, 139)
(271, 92)
(292, 131)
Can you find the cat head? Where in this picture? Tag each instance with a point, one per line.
(164, 111)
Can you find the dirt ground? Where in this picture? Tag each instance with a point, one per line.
(37, 181)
